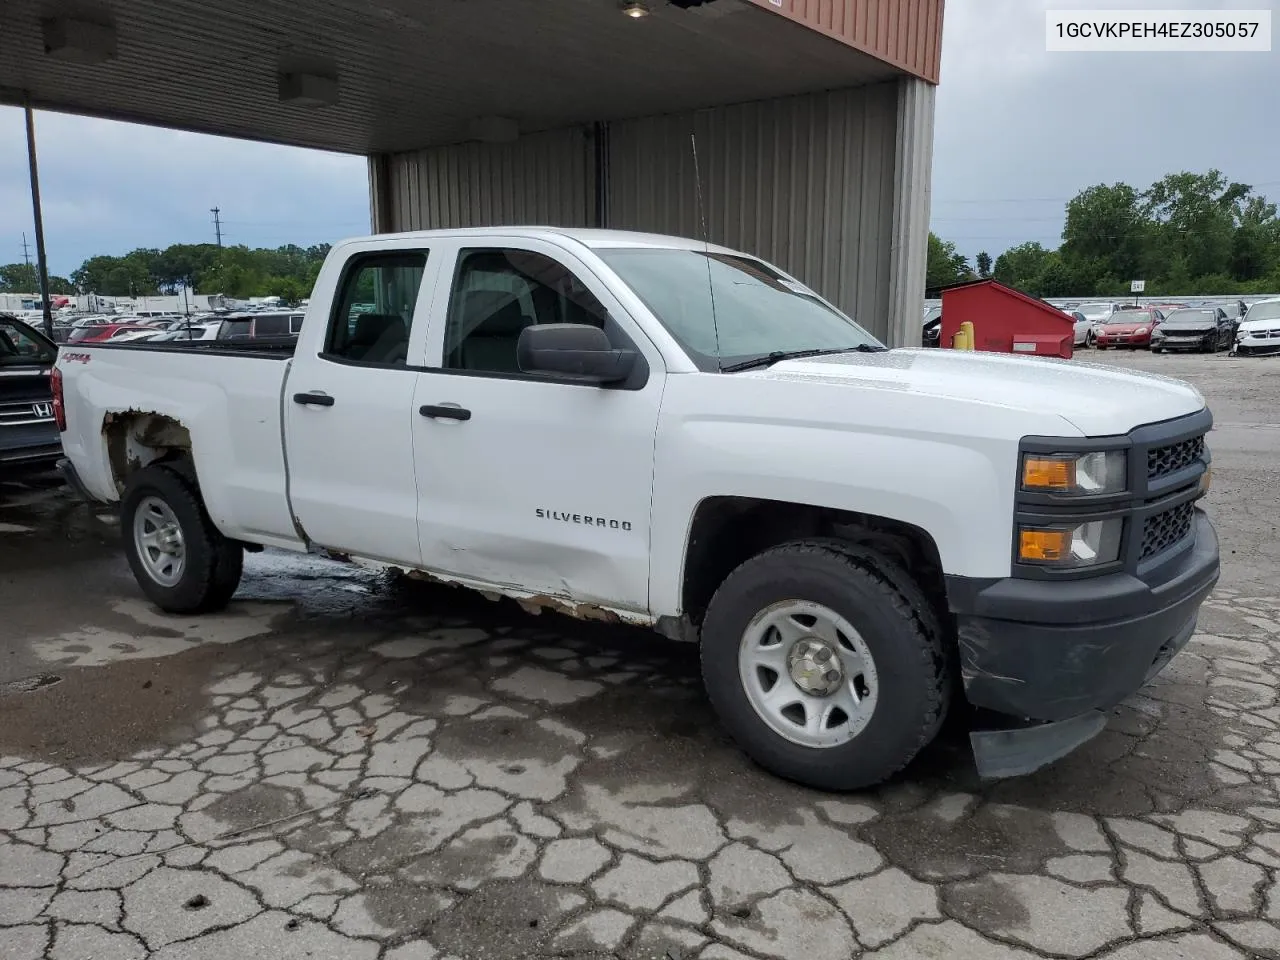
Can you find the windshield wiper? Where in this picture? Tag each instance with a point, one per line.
(769, 359)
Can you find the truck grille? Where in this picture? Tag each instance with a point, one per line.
(1162, 530)
(1165, 460)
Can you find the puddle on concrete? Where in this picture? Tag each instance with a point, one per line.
(107, 713)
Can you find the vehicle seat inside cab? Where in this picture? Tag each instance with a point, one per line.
(379, 338)
(491, 344)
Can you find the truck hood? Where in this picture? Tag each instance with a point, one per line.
(1098, 400)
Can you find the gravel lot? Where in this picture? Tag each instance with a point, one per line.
(347, 767)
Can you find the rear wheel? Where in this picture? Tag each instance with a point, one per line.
(825, 663)
(181, 561)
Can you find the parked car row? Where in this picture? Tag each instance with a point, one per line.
(1158, 327)
(167, 328)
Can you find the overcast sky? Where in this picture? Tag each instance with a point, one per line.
(1019, 131)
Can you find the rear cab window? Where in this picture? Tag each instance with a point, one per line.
(373, 313)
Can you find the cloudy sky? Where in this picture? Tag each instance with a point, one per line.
(1019, 131)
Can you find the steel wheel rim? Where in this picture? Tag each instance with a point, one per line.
(158, 538)
(790, 686)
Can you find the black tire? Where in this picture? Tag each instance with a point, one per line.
(212, 563)
(1157, 350)
(896, 622)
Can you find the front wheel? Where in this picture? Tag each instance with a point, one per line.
(181, 561)
(825, 663)
(1089, 338)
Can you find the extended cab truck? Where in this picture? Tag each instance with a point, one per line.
(660, 432)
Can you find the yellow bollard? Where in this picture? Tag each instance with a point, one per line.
(967, 327)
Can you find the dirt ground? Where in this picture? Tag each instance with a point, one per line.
(346, 766)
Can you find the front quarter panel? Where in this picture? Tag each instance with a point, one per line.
(947, 467)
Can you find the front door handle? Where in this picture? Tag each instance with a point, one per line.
(313, 399)
(445, 411)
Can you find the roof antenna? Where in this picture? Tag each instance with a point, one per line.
(706, 247)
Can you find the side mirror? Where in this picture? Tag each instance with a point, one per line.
(574, 350)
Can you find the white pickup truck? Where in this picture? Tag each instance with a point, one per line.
(656, 431)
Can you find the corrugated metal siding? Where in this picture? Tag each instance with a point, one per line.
(911, 196)
(543, 178)
(906, 33)
(805, 182)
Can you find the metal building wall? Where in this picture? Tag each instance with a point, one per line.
(833, 187)
(913, 174)
(541, 178)
(806, 182)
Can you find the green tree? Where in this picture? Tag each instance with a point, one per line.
(1020, 267)
(19, 278)
(1106, 230)
(983, 261)
(944, 265)
(1194, 215)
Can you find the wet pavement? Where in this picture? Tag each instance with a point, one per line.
(348, 765)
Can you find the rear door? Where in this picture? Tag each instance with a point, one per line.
(526, 480)
(349, 410)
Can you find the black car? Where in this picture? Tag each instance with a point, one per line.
(1206, 329)
(931, 332)
(28, 433)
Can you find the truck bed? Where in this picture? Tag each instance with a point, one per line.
(225, 396)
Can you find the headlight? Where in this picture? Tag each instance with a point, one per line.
(1157, 332)
(1140, 331)
(1085, 475)
(1241, 334)
(1084, 545)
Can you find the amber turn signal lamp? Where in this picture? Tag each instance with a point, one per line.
(1043, 545)
(1048, 473)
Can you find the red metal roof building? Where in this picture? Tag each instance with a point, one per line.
(1005, 320)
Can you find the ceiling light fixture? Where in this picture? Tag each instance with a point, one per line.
(78, 41)
(308, 89)
(635, 9)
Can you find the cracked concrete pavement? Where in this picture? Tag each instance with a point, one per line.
(347, 766)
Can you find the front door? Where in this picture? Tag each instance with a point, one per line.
(526, 481)
(349, 413)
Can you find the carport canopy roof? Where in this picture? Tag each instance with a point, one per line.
(414, 73)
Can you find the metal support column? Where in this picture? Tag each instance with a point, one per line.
(42, 265)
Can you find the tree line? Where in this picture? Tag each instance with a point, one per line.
(1187, 233)
(234, 271)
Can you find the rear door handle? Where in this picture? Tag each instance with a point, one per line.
(445, 411)
(314, 399)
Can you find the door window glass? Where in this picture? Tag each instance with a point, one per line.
(497, 293)
(373, 315)
(16, 345)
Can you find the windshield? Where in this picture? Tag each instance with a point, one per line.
(756, 310)
(21, 346)
(1197, 317)
(1096, 311)
(1264, 311)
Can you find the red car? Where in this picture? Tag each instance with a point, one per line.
(105, 332)
(1127, 328)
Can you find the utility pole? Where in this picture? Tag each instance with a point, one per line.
(41, 264)
(217, 224)
(26, 253)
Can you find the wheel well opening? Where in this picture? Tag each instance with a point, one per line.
(728, 531)
(136, 439)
